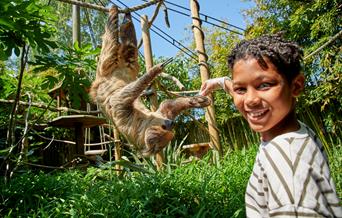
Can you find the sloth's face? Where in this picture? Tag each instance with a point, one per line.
(156, 138)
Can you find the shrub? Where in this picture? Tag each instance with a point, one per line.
(196, 189)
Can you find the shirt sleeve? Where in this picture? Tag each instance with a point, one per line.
(257, 192)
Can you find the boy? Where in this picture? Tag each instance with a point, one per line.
(291, 176)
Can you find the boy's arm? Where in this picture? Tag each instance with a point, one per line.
(226, 84)
(215, 84)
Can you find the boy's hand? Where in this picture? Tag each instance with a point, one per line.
(214, 84)
(209, 86)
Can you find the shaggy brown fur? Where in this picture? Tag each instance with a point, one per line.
(117, 89)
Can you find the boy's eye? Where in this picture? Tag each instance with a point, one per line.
(265, 85)
(240, 90)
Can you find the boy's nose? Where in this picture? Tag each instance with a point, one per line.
(168, 124)
(252, 98)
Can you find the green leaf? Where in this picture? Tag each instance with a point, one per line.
(16, 51)
(6, 22)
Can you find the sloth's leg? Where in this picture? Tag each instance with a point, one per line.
(127, 31)
(171, 108)
(108, 60)
(133, 90)
(128, 50)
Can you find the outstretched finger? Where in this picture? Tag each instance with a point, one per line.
(204, 90)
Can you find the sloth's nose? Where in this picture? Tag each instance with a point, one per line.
(168, 124)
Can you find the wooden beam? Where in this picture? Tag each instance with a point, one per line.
(149, 64)
(204, 70)
(76, 24)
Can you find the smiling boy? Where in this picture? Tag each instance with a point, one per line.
(291, 175)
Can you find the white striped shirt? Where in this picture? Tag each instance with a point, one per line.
(291, 178)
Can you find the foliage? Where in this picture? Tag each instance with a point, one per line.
(25, 22)
(75, 68)
(31, 87)
(197, 189)
(91, 21)
(179, 69)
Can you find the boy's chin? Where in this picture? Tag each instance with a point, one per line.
(258, 128)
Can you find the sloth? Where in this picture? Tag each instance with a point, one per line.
(117, 89)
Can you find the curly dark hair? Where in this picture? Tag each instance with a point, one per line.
(285, 55)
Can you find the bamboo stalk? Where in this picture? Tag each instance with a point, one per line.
(339, 34)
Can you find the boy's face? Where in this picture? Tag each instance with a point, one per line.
(264, 97)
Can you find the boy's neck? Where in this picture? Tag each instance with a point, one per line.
(288, 124)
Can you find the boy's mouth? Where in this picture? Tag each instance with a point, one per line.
(256, 115)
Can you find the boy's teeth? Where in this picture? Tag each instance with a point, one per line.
(256, 114)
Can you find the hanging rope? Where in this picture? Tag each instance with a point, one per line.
(150, 22)
(104, 9)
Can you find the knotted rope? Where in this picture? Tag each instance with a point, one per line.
(104, 9)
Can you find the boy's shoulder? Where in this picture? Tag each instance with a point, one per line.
(302, 141)
(303, 133)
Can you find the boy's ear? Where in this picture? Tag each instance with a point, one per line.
(298, 85)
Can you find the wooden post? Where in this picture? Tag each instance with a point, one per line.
(117, 149)
(79, 138)
(204, 70)
(76, 37)
(59, 101)
(76, 25)
(149, 63)
(148, 57)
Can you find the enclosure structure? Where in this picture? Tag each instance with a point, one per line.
(146, 24)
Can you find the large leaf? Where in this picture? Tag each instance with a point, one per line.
(25, 22)
(74, 66)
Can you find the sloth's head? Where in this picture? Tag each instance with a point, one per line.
(158, 137)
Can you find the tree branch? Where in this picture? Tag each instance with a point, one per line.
(324, 45)
(43, 106)
(174, 79)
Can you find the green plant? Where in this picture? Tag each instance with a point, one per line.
(75, 70)
(197, 189)
(25, 22)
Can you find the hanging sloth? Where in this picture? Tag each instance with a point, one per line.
(117, 90)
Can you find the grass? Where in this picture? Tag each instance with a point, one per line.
(196, 189)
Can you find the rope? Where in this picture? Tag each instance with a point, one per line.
(104, 9)
(150, 22)
(142, 6)
(155, 14)
(172, 41)
(205, 16)
(86, 5)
